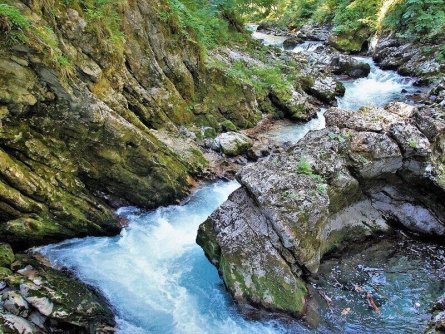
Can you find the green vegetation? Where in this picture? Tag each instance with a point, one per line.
(292, 195)
(209, 24)
(104, 19)
(12, 23)
(262, 78)
(19, 28)
(412, 143)
(354, 21)
(304, 167)
(417, 18)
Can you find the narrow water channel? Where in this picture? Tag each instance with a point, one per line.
(158, 280)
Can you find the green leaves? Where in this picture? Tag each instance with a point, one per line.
(417, 18)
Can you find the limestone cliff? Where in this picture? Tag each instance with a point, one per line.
(365, 173)
(82, 89)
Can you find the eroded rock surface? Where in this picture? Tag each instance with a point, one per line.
(365, 173)
(409, 58)
(35, 298)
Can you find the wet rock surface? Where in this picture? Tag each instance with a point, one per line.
(337, 186)
(437, 323)
(35, 298)
(408, 58)
(401, 276)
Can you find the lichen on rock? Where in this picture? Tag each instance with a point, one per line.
(338, 185)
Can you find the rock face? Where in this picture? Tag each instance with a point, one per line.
(365, 172)
(37, 299)
(408, 58)
(77, 122)
(437, 323)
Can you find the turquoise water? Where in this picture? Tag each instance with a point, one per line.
(402, 275)
(159, 281)
(155, 275)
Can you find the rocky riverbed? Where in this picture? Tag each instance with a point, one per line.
(75, 149)
(369, 173)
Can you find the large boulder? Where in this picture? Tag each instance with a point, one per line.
(295, 105)
(232, 143)
(346, 65)
(325, 88)
(335, 186)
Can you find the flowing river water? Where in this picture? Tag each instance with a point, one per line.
(158, 280)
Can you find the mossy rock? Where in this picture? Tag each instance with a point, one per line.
(353, 42)
(4, 272)
(228, 125)
(6, 255)
(209, 132)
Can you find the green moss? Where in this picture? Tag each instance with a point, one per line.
(269, 289)
(262, 78)
(228, 125)
(209, 132)
(350, 41)
(6, 255)
(4, 273)
(207, 240)
(344, 236)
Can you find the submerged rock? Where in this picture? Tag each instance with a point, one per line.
(291, 43)
(336, 186)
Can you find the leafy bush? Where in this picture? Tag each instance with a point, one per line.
(417, 18)
(353, 15)
(208, 23)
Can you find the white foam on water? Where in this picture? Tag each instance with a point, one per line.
(293, 133)
(155, 275)
(268, 39)
(377, 89)
(307, 46)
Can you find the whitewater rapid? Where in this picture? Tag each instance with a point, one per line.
(157, 278)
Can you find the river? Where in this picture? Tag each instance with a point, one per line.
(159, 281)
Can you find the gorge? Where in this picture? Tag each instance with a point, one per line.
(315, 176)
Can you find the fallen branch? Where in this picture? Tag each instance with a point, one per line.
(372, 303)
